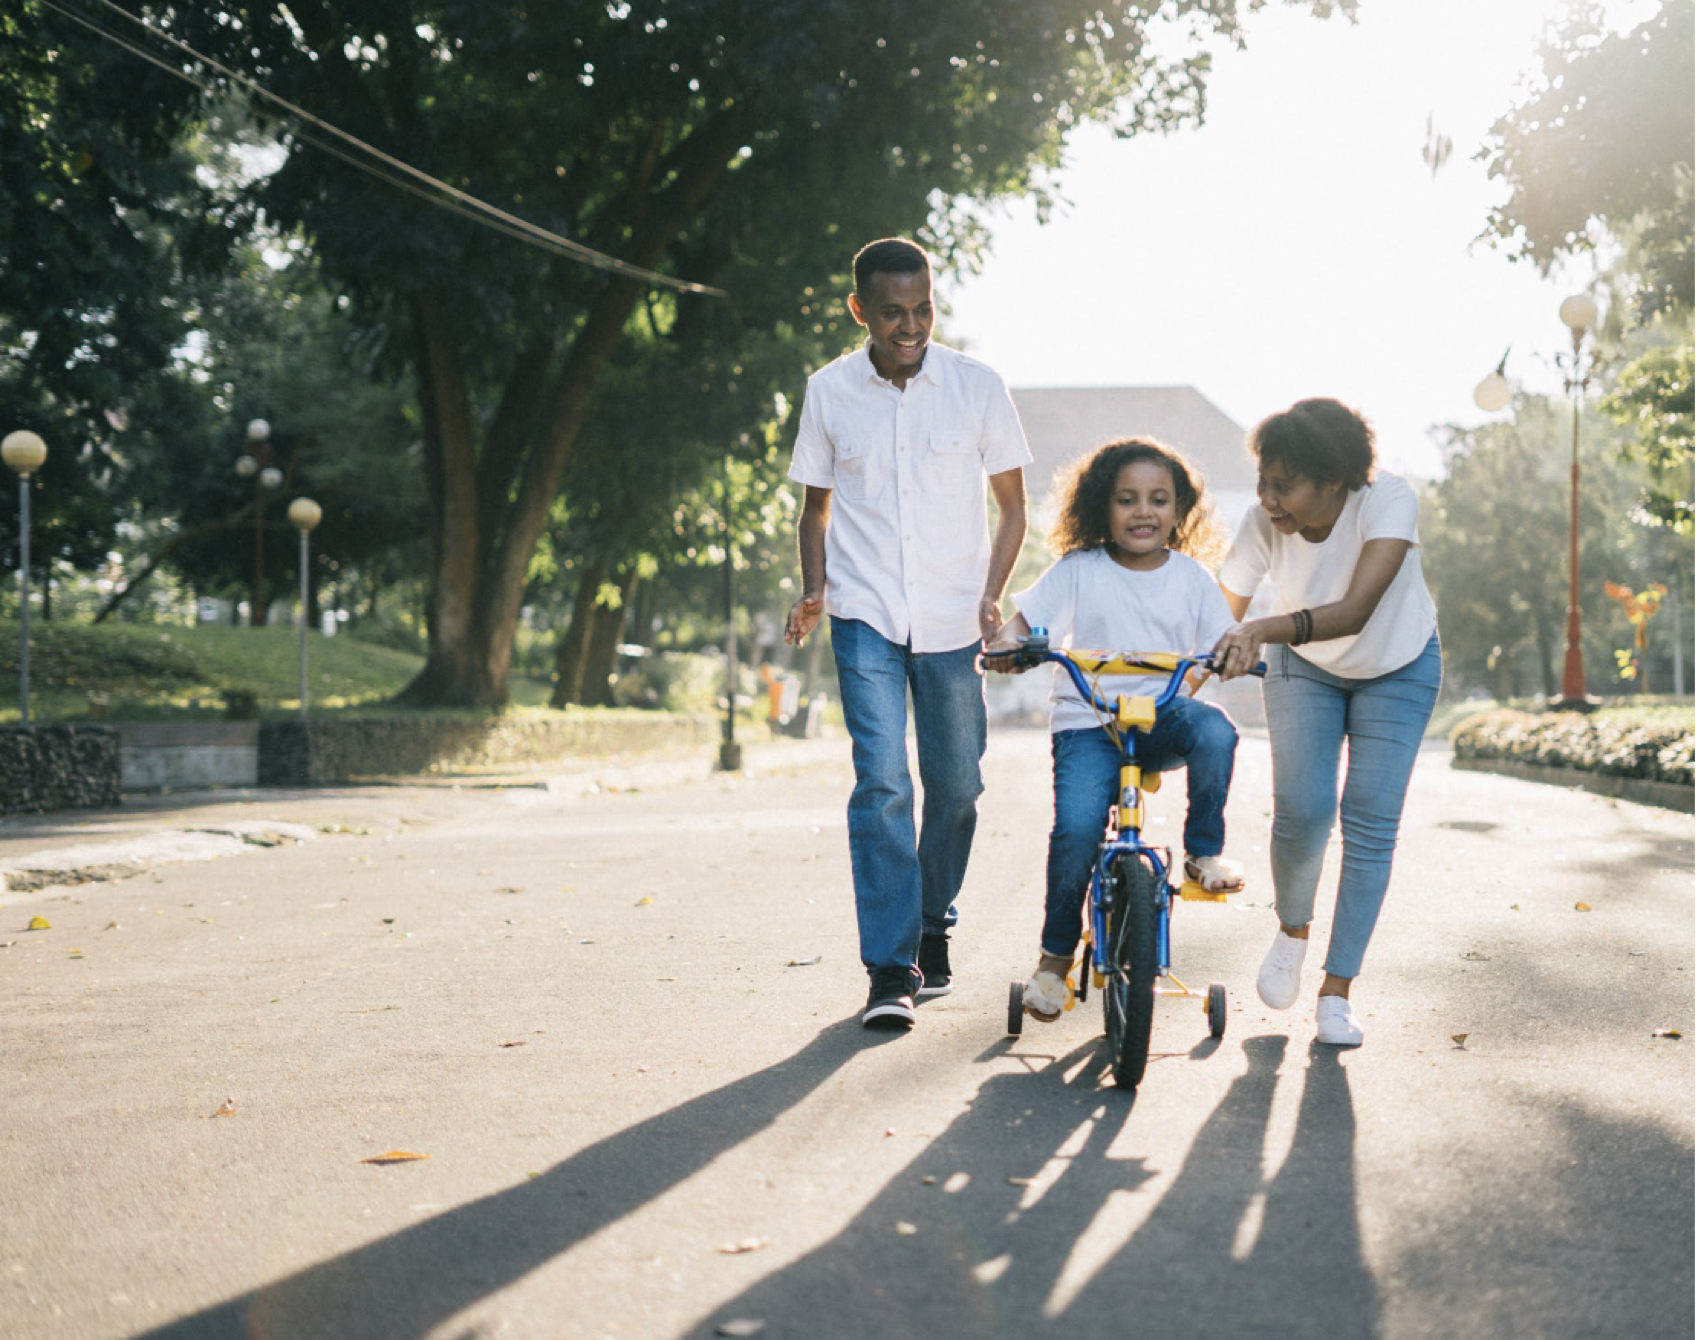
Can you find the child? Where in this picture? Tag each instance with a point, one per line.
(1131, 517)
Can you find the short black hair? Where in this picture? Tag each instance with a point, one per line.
(1321, 440)
(888, 255)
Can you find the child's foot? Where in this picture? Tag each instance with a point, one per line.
(1214, 873)
(1048, 994)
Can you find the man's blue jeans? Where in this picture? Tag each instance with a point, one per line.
(1309, 714)
(905, 882)
(1187, 734)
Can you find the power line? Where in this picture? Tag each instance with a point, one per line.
(388, 169)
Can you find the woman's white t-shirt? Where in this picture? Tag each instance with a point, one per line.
(1088, 601)
(1305, 574)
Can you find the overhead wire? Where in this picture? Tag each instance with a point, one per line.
(387, 168)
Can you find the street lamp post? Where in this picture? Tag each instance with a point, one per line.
(304, 515)
(1579, 314)
(729, 752)
(26, 453)
(255, 463)
(1493, 393)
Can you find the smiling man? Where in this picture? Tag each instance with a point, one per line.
(898, 439)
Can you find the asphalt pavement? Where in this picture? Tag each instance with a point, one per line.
(609, 1015)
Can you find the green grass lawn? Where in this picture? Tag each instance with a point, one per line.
(127, 672)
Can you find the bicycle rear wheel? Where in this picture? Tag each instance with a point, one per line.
(1128, 1000)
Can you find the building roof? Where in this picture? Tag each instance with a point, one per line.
(1064, 422)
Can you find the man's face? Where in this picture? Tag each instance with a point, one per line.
(897, 313)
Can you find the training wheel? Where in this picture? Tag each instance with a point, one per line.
(1216, 1010)
(1016, 1009)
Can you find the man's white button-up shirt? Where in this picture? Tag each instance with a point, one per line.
(907, 548)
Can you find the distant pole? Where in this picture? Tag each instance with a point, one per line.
(1579, 314)
(729, 752)
(304, 514)
(26, 453)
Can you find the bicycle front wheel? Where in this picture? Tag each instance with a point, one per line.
(1132, 963)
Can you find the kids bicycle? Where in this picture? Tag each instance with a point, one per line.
(1127, 943)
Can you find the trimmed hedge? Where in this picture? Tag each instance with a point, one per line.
(1612, 746)
(339, 749)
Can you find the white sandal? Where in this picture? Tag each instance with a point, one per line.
(1214, 873)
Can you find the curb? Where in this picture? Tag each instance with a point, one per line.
(1638, 790)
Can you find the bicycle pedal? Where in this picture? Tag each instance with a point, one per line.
(1192, 892)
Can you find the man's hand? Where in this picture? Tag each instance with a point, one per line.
(989, 618)
(804, 616)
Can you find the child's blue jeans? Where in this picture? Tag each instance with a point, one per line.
(1187, 734)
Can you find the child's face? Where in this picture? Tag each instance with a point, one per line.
(1142, 513)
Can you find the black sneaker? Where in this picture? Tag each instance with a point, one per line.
(933, 965)
(890, 1004)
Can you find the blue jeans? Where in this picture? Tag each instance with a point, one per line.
(1086, 782)
(1309, 713)
(906, 882)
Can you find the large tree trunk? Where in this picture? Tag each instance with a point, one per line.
(488, 509)
(571, 656)
(606, 632)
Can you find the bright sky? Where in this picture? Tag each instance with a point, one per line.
(1297, 244)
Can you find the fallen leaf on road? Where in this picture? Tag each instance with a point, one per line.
(509, 890)
(1459, 1039)
(739, 1326)
(904, 1229)
(512, 1044)
(227, 1108)
(111, 925)
(1020, 1181)
(643, 902)
(1475, 957)
(40, 924)
(1581, 907)
(1666, 1033)
(805, 962)
(77, 953)
(395, 1156)
(928, 1181)
(746, 1245)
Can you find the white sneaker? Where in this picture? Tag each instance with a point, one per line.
(1279, 982)
(1337, 1024)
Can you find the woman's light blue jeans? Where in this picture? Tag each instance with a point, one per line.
(905, 882)
(1309, 714)
(1187, 734)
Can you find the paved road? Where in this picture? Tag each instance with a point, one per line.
(620, 1021)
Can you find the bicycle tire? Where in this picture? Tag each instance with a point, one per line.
(1128, 1000)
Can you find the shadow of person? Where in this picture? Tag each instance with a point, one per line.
(1078, 1251)
(1229, 1251)
(405, 1284)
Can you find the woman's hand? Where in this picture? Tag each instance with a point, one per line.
(1238, 651)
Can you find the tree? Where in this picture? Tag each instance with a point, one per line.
(746, 147)
(1605, 149)
(101, 219)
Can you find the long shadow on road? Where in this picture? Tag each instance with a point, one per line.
(411, 1281)
(1224, 1251)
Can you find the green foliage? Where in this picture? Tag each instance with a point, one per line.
(1607, 138)
(1655, 744)
(1655, 396)
(1494, 536)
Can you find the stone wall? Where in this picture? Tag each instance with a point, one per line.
(59, 768)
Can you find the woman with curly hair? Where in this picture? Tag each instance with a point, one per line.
(1133, 516)
(1352, 655)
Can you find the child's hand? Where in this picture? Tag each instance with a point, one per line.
(1004, 665)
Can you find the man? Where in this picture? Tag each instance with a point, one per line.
(896, 440)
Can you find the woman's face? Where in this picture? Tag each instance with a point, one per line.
(1296, 505)
(1142, 513)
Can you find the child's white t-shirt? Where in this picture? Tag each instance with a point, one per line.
(1306, 574)
(1088, 601)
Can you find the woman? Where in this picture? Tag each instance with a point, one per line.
(1352, 655)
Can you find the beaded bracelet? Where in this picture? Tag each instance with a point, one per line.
(1304, 627)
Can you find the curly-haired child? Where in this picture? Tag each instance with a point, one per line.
(1134, 517)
